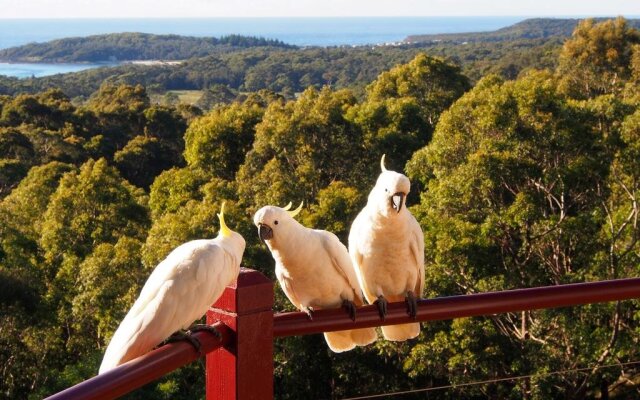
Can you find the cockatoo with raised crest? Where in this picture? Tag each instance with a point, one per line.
(314, 271)
(178, 292)
(386, 245)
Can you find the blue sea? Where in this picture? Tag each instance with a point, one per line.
(346, 31)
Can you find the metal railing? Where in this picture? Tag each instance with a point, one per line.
(148, 368)
(240, 363)
(444, 308)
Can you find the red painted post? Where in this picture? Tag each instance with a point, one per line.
(243, 370)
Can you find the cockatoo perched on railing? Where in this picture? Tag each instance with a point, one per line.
(314, 271)
(178, 292)
(387, 248)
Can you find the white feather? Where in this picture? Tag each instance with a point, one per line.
(314, 271)
(387, 250)
(179, 291)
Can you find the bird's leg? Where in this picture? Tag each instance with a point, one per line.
(204, 327)
(351, 309)
(412, 304)
(309, 312)
(183, 335)
(175, 336)
(381, 303)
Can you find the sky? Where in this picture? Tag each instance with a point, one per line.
(311, 8)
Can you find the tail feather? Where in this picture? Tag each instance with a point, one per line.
(339, 341)
(119, 351)
(365, 336)
(402, 332)
(346, 340)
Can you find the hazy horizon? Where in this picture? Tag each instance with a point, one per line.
(568, 16)
(312, 8)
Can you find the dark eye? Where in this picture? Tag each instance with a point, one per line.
(275, 222)
(386, 190)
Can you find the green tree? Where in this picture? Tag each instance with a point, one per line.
(51, 146)
(300, 147)
(337, 206)
(144, 158)
(515, 175)
(119, 111)
(93, 206)
(22, 214)
(218, 142)
(596, 60)
(15, 145)
(11, 172)
(173, 188)
(433, 83)
(21, 308)
(102, 301)
(216, 95)
(402, 106)
(89, 208)
(168, 125)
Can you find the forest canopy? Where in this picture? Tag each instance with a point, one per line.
(517, 181)
(245, 64)
(131, 46)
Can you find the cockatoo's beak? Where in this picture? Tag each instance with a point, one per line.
(264, 232)
(396, 201)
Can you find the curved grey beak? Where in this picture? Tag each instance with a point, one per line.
(396, 201)
(265, 232)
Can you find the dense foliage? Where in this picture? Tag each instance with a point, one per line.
(516, 183)
(280, 68)
(130, 46)
(292, 71)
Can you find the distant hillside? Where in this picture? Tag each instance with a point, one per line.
(293, 70)
(534, 28)
(131, 46)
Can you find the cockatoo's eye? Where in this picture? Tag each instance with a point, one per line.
(275, 222)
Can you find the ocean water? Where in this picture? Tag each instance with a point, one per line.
(349, 31)
(28, 70)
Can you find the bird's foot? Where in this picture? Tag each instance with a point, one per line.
(179, 336)
(351, 309)
(204, 327)
(309, 312)
(412, 304)
(381, 303)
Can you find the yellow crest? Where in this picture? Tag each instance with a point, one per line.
(224, 229)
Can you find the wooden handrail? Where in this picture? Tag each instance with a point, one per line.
(443, 308)
(243, 368)
(147, 368)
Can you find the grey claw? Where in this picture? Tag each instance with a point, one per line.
(351, 309)
(309, 312)
(205, 327)
(412, 304)
(181, 336)
(381, 303)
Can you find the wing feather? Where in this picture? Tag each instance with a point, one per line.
(287, 288)
(357, 257)
(178, 292)
(416, 244)
(341, 261)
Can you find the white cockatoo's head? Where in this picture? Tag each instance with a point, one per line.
(275, 222)
(390, 192)
(234, 239)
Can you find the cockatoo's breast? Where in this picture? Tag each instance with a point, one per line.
(388, 264)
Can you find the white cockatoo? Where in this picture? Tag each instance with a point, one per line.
(178, 292)
(314, 271)
(387, 249)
